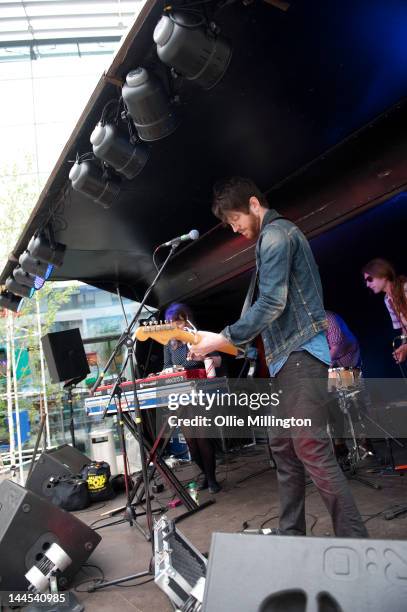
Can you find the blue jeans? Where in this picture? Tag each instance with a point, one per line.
(305, 395)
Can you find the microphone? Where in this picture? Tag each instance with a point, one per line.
(401, 338)
(193, 235)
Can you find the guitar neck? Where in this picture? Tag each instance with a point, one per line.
(227, 347)
(164, 333)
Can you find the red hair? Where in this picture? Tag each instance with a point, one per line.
(381, 268)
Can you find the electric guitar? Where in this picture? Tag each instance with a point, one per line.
(165, 332)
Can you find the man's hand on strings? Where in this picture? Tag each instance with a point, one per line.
(208, 343)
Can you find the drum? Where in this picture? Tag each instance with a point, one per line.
(343, 378)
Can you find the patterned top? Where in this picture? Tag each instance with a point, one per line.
(399, 322)
(339, 333)
(175, 353)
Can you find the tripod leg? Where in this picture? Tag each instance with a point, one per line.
(364, 481)
(97, 587)
(37, 443)
(354, 451)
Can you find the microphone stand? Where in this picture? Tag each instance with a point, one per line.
(130, 514)
(68, 386)
(127, 339)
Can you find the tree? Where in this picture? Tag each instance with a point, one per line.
(18, 194)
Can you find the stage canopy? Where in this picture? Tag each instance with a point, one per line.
(312, 107)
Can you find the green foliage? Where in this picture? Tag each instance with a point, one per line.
(19, 191)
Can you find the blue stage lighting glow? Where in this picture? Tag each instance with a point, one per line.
(49, 271)
(39, 282)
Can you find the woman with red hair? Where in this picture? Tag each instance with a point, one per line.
(380, 276)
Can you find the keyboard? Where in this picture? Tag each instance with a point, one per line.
(152, 392)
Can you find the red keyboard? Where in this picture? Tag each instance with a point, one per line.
(161, 380)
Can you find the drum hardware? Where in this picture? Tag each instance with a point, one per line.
(343, 382)
(343, 378)
(340, 381)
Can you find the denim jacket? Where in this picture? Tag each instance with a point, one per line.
(288, 310)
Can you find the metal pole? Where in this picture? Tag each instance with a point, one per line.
(9, 390)
(16, 404)
(43, 383)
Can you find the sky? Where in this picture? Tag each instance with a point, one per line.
(40, 103)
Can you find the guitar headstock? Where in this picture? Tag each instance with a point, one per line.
(163, 333)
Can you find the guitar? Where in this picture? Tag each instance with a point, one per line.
(167, 331)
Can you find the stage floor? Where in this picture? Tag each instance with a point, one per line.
(249, 495)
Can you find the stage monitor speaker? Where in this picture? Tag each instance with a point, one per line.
(259, 573)
(65, 355)
(28, 527)
(62, 461)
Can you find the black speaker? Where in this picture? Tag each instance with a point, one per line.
(259, 573)
(28, 527)
(62, 461)
(65, 355)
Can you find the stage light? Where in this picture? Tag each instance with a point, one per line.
(24, 278)
(42, 249)
(29, 280)
(110, 146)
(22, 290)
(35, 266)
(88, 179)
(10, 301)
(149, 106)
(196, 52)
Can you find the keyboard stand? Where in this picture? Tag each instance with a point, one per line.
(153, 456)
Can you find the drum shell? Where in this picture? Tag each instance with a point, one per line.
(342, 378)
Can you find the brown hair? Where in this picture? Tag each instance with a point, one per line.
(234, 194)
(381, 268)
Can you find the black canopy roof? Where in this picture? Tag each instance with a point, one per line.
(312, 107)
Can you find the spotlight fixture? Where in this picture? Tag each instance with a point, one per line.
(35, 266)
(24, 278)
(29, 280)
(10, 301)
(88, 179)
(42, 249)
(149, 105)
(186, 43)
(111, 147)
(22, 290)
